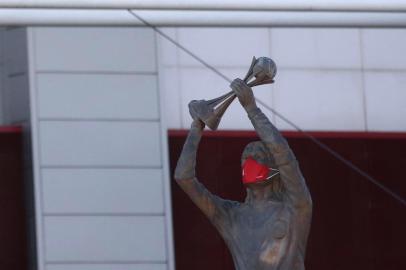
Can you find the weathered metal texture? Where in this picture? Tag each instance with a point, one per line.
(269, 230)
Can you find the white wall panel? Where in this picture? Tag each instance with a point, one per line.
(95, 49)
(108, 143)
(111, 191)
(106, 267)
(168, 52)
(320, 100)
(384, 48)
(224, 47)
(105, 239)
(200, 83)
(172, 95)
(16, 50)
(17, 99)
(102, 200)
(90, 96)
(315, 48)
(386, 101)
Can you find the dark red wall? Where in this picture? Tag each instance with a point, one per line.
(355, 225)
(13, 237)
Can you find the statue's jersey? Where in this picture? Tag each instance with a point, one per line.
(268, 236)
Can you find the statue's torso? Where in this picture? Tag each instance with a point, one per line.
(263, 238)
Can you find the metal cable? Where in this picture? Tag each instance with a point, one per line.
(308, 135)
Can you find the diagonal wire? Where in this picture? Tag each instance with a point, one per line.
(337, 155)
(308, 135)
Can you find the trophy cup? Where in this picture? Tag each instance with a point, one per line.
(262, 71)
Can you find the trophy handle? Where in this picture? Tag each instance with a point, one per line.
(211, 111)
(215, 101)
(214, 121)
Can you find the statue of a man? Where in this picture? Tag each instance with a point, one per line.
(269, 229)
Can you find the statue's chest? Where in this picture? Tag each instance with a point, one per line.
(252, 230)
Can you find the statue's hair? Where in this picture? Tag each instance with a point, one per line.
(259, 151)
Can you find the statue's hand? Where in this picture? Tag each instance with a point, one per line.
(244, 93)
(192, 109)
(198, 124)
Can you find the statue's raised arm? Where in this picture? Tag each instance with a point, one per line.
(211, 205)
(296, 192)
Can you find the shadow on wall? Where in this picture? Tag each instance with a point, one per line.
(355, 225)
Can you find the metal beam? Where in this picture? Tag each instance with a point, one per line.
(76, 17)
(262, 5)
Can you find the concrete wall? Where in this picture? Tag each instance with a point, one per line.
(90, 98)
(328, 79)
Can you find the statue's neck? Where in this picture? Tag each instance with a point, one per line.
(259, 195)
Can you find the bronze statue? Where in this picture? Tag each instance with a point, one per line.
(269, 230)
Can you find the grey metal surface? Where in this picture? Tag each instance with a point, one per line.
(269, 229)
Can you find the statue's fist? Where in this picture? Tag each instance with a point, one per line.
(193, 109)
(244, 93)
(194, 113)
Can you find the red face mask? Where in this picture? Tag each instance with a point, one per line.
(254, 172)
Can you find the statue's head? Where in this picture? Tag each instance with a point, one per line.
(259, 168)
